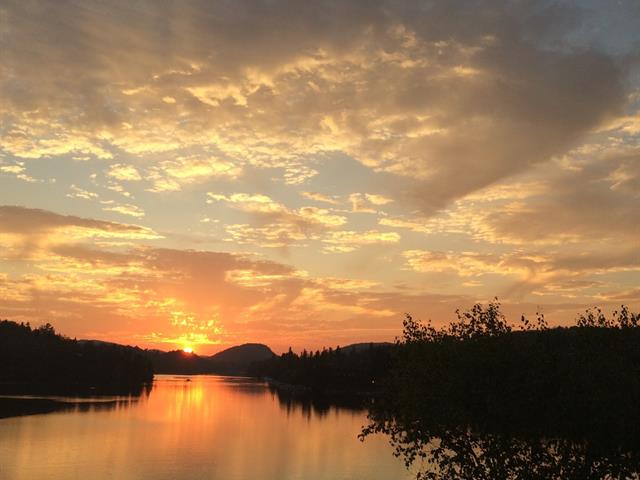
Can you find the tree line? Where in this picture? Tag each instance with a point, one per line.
(38, 360)
(354, 369)
(482, 398)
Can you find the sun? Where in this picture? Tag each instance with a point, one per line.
(187, 350)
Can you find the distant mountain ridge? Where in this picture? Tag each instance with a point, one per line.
(243, 354)
(231, 361)
(236, 360)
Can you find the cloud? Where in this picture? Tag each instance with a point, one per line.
(18, 170)
(33, 222)
(30, 233)
(77, 192)
(257, 203)
(173, 175)
(124, 209)
(630, 295)
(348, 240)
(581, 201)
(459, 128)
(162, 296)
(124, 172)
(376, 199)
(273, 235)
(321, 216)
(542, 273)
(278, 226)
(263, 206)
(367, 202)
(319, 197)
(158, 295)
(627, 124)
(597, 201)
(416, 225)
(464, 264)
(449, 98)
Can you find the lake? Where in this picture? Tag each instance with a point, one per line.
(198, 427)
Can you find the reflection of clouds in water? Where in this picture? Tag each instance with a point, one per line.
(329, 136)
(207, 427)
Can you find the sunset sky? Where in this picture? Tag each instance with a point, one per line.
(207, 173)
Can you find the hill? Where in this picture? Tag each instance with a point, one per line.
(239, 358)
(232, 361)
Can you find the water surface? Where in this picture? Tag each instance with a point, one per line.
(200, 427)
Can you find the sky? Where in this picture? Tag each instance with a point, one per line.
(207, 173)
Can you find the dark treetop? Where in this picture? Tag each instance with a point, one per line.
(39, 361)
(480, 400)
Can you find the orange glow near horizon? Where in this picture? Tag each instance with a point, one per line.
(199, 184)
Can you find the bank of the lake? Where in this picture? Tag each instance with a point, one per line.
(207, 427)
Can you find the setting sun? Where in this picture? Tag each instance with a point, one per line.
(403, 236)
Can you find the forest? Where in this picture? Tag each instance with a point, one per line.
(40, 361)
(352, 370)
(484, 398)
(481, 398)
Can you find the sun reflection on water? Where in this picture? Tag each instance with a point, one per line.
(195, 427)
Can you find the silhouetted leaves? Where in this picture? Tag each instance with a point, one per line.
(479, 399)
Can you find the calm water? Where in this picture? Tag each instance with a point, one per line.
(207, 428)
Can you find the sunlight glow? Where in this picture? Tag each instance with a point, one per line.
(187, 350)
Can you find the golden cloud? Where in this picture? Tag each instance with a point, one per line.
(416, 94)
(262, 205)
(349, 240)
(124, 172)
(208, 297)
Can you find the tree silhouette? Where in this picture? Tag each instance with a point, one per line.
(480, 398)
(40, 361)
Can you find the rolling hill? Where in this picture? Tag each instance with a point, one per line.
(232, 361)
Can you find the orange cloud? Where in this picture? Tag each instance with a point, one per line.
(206, 297)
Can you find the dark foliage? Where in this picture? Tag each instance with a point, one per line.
(454, 452)
(232, 361)
(481, 399)
(178, 362)
(37, 360)
(309, 402)
(16, 407)
(357, 368)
